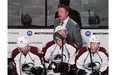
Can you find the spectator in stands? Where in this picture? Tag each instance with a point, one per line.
(26, 21)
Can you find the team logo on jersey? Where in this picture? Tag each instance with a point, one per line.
(96, 65)
(59, 57)
(27, 68)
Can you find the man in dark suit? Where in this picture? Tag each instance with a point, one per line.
(73, 14)
(71, 26)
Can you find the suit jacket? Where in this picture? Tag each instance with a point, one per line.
(73, 29)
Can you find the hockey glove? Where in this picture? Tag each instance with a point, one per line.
(95, 72)
(61, 67)
(73, 70)
(81, 72)
(37, 70)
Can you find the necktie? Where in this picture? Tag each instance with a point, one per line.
(62, 23)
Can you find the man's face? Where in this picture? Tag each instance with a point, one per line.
(62, 13)
(94, 46)
(62, 33)
(24, 49)
(59, 42)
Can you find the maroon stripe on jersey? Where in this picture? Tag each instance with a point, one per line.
(14, 69)
(103, 50)
(72, 44)
(34, 50)
(44, 49)
(15, 52)
(81, 51)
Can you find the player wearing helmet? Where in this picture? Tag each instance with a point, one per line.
(26, 59)
(92, 60)
(59, 55)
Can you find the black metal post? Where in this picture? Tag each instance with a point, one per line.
(46, 12)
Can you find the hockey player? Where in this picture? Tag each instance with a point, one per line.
(26, 59)
(92, 60)
(59, 55)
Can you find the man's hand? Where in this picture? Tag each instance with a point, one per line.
(81, 72)
(62, 67)
(52, 65)
(95, 72)
(37, 70)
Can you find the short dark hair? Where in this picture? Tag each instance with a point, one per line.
(64, 6)
(64, 2)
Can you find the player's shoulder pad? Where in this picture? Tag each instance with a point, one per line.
(34, 50)
(81, 51)
(102, 49)
(72, 44)
(15, 52)
(48, 44)
(45, 47)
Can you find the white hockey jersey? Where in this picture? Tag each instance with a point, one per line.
(99, 58)
(31, 59)
(53, 54)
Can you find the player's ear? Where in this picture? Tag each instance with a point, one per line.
(67, 12)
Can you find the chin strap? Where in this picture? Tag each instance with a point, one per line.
(91, 61)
